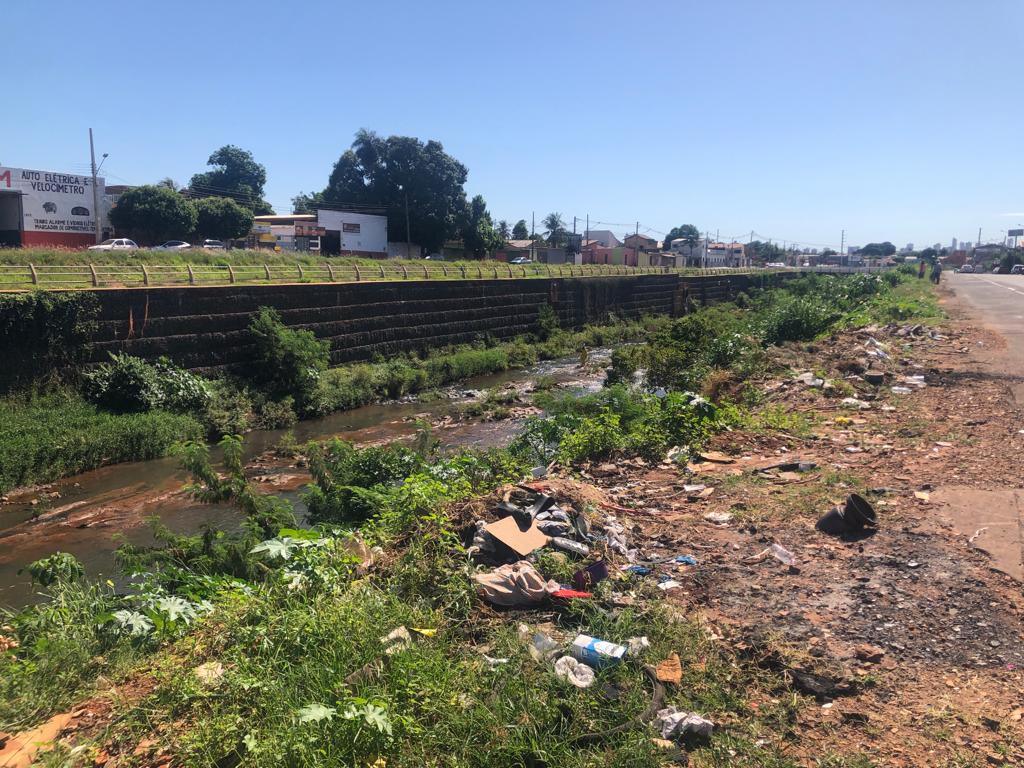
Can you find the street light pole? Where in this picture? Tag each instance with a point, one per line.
(95, 192)
(408, 244)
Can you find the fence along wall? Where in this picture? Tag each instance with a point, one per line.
(205, 327)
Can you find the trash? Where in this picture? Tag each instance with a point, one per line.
(493, 662)
(792, 466)
(782, 554)
(571, 594)
(853, 402)
(539, 472)
(718, 518)
(542, 504)
(869, 653)
(808, 379)
(637, 570)
(366, 673)
(596, 653)
(540, 645)
(922, 495)
(637, 645)
(716, 457)
(876, 378)
(694, 488)
(900, 390)
(915, 381)
(424, 631)
(520, 540)
(668, 584)
(568, 545)
(483, 542)
(209, 673)
(675, 453)
(397, 640)
(686, 559)
(515, 584)
(575, 672)
(851, 517)
(669, 670)
(592, 574)
(554, 527)
(675, 724)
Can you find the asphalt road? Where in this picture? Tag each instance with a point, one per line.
(997, 515)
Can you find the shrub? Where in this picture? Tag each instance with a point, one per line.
(58, 567)
(229, 410)
(547, 322)
(795, 318)
(180, 390)
(286, 361)
(124, 385)
(275, 414)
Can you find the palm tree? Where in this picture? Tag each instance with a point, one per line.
(503, 230)
(555, 226)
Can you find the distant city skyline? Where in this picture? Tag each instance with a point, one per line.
(817, 140)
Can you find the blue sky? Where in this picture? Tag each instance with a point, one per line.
(892, 120)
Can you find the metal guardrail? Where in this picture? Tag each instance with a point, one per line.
(85, 276)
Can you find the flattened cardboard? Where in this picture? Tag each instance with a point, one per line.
(520, 541)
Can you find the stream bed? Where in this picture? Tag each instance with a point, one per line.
(85, 515)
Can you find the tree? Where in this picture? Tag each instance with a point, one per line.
(519, 231)
(478, 233)
(829, 252)
(306, 203)
(168, 182)
(687, 232)
(221, 218)
(235, 174)
(387, 172)
(766, 252)
(555, 226)
(152, 214)
(503, 230)
(877, 249)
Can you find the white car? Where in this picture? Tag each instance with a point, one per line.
(173, 245)
(215, 245)
(119, 244)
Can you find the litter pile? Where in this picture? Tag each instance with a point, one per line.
(533, 526)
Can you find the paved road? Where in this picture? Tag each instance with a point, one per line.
(997, 515)
(999, 303)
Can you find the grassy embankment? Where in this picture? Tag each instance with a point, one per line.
(51, 431)
(274, 628)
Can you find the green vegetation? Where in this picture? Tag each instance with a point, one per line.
(46, 437)
(268, 645)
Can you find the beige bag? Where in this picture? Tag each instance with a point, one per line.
(516, 584)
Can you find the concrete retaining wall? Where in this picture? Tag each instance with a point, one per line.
(205, 327)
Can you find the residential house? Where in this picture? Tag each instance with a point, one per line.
(641, 243)
(605, 237)
(593, 252)
(539, 252)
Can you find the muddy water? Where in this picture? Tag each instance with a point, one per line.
(91, 511)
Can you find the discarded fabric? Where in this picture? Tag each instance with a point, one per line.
(592, 574)
(515, 584)
(575, 672)
(686, 559)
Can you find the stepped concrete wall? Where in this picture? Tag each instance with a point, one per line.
(205, 327)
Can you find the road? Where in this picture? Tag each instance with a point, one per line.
(997, 514)
(998, 301)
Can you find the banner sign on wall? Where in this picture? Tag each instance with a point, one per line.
(59, 203)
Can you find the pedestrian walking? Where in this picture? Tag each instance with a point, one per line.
(920, 270)
(936, 271)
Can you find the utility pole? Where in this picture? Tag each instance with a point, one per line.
(533, 234)
(979, 236)
(749, 255)
(408, 240)
(95, 192)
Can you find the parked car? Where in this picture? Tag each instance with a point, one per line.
(434, 257)
(117, 244)
(967, 269)
(521, 260)
(214, 245)
(173, 245)
(1017, 269)
(774, 264)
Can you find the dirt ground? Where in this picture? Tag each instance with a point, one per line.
(915, 629)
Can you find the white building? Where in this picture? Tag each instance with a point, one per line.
(359, 234)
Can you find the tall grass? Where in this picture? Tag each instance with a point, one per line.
(45, 437)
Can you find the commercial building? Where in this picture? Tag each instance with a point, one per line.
(49, 208)
(333, 232)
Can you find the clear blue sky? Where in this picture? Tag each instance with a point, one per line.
(899, 120)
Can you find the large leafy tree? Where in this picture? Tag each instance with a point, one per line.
(478, 233)
(687, 232)
(554, 224)
(520, 231)
(222, 218)
(878, 249)
(401, 170)
(152, 214)
(764, 251)
(235, 174)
